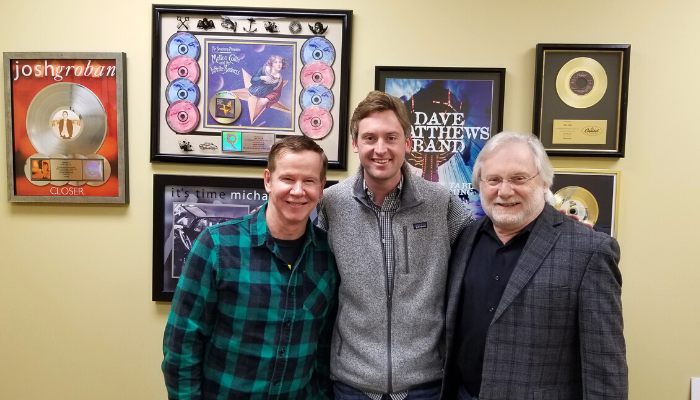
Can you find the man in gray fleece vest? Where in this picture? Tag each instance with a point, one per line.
(391, 233)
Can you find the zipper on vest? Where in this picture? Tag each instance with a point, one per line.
(390, 292)
(388, 345)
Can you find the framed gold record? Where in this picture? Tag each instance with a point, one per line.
(590, 194)
(580, 106)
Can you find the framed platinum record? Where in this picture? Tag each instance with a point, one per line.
(228, 82)
(580, 106)
(65, 119)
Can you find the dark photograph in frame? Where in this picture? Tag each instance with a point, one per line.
(590, 194)
(66, 127)
(185, 205)
(229, 82)
(581, 96)
(453, 112)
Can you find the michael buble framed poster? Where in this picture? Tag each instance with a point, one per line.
(228, 82)
(580, 105)
(185, 205)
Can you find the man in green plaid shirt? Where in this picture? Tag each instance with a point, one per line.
(254, 309)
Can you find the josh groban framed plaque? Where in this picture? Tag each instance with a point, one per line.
(65, 119)
(453, 112)
(590, 194)
(580, 106)
(228, 82)
(185, 205)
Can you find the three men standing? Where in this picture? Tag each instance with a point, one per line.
(533, 297)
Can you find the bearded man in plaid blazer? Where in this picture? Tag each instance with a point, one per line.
(533, 303)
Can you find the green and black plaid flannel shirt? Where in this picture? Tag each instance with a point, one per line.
(245, 326)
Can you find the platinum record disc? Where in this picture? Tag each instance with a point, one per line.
(66, 118)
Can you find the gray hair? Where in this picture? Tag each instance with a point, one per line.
(544, 166)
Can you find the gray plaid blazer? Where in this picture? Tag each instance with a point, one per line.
(557, 332)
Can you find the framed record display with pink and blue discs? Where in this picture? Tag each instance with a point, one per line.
(65, 119)
(453, 112)
(228, 82)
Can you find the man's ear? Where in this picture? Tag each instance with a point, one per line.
(266, 179)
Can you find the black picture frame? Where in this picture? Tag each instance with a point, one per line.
(581, 97)
(602, 185)
(453, 112)
(227, 35)
(183, 205)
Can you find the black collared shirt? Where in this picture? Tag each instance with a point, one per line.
(488, 271)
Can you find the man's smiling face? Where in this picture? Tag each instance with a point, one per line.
(382, 147)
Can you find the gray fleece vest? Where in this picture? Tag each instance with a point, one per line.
(389, 342)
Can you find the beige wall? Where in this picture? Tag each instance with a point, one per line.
(76, 319)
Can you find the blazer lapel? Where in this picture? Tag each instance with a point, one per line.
(539, 244)
(458, 267)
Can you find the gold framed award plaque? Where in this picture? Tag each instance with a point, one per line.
(580, 106)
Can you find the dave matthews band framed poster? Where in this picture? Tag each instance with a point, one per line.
(228, 82)
(65, 119)
(590, 194)
(580, 106)
(453, 112)
(185, 205)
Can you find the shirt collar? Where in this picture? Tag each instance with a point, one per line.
(488, 228)
(370, 195)
(260, 232)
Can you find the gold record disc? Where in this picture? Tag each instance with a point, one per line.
(575, 200)
(581, 82)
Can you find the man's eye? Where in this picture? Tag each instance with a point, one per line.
(493, 181)
(518, 179)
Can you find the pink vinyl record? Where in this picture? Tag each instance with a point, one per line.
(182, 116)
(317, 72)
(182, 67)
(315, 122)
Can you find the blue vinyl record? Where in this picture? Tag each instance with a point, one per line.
(182, 89)
(183, 44)
(316, 95)
(318, 49)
